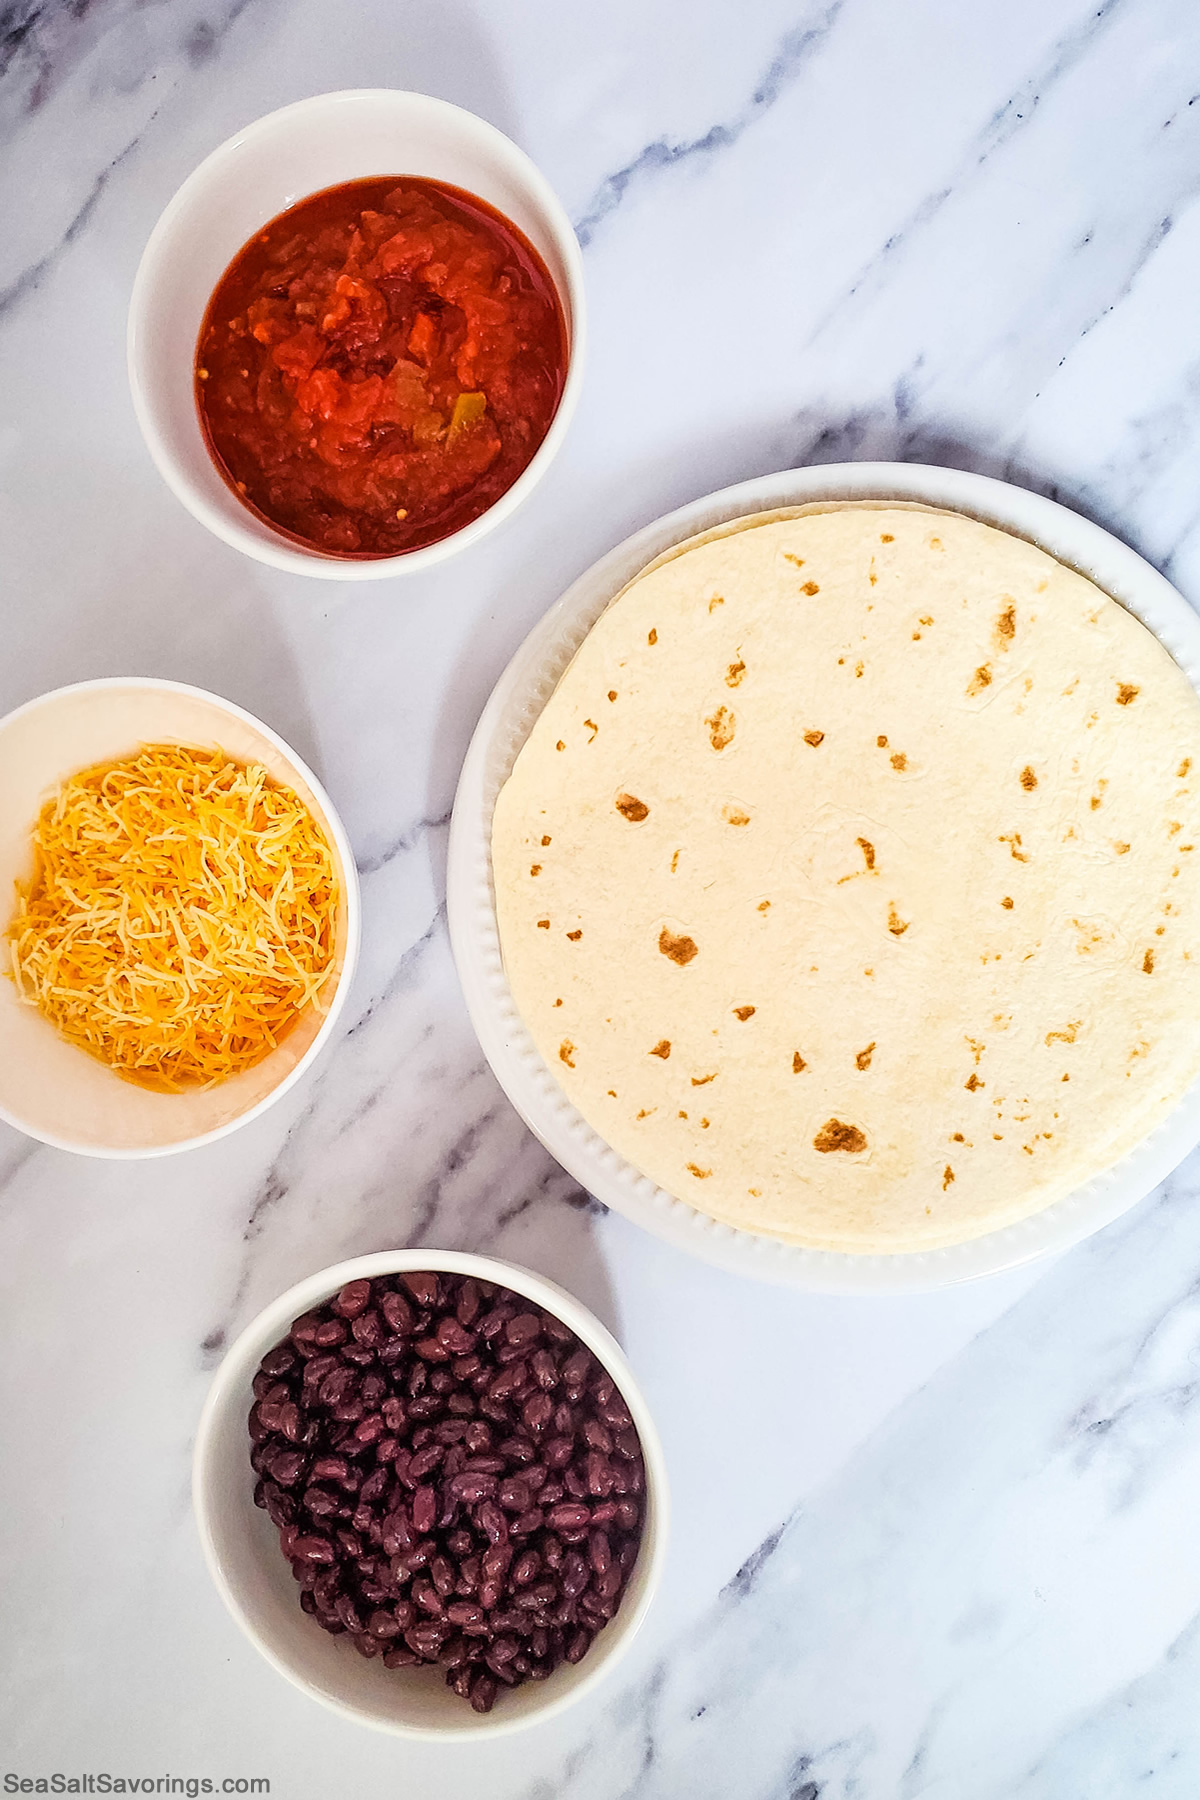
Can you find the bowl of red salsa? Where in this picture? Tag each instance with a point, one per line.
(356, 334)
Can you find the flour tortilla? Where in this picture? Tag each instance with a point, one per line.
(848, 881)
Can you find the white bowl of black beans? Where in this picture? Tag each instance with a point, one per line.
(431, 1494)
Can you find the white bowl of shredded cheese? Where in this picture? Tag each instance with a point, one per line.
(244, 810)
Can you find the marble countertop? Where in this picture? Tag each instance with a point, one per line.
(939, 1545)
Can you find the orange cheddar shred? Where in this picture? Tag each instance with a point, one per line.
(181, 914)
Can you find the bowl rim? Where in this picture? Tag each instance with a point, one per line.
(281, 552)
(236, 1370)
(508, 715)
(352, 901)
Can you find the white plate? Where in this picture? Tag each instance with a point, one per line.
(507, 719)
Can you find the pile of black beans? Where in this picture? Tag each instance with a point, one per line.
(455, 1478)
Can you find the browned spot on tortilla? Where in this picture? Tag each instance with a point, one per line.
(810, 588)
(558, 1003)
(881, 743)
(899, 760)
(593, 728)
(674, 862)
(543, 924)
(947, 1177)
(863, 1059)
(798, 560)
(1006, 625)
(981, 679)
(764, 906)
(814, 738)
(872, 578)
(1064, 1037)
(574, 936)
(734, 673)
(566, 1053)
(972, 1082)
(1183, 768)
(535, 868)
(1007, 901)
(733, 815)
(1174, 827)
(835, 1135)
(1148, 963)
(886, 537)
(680, 949)
(652, 636)
(717, 600)
(613, 1092)
(1127, 693)
(798, 1063)
(1013, 840)
(1028, 778)
(646, 1111)
(630, 807)
(545, 841)
(744, 1012)
(662, 1048)
(721, 727)
(958, 1138)
(1121, 849)
(560, 745)
(927, 619)
(896, 925)
(858, 669)
(935, 543)
(700, 1174)
(681, 1114)
(612, 693)
(868, 850)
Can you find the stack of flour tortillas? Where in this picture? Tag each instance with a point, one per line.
(849, 882)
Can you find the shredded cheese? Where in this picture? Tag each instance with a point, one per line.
(180, 917)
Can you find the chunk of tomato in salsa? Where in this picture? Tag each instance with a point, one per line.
(378, 365)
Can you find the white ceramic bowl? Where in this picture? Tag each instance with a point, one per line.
(48, 1087)
(248, 180)
(507, 719)
(256, 1583)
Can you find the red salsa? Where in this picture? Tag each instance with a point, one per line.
(378, 365)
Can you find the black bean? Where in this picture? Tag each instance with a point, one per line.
(483, 1692)
(537, 1413)
(423, 1286)
(467, 1485)
(354, 1298)
(398, 1313)
(368, 1330)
